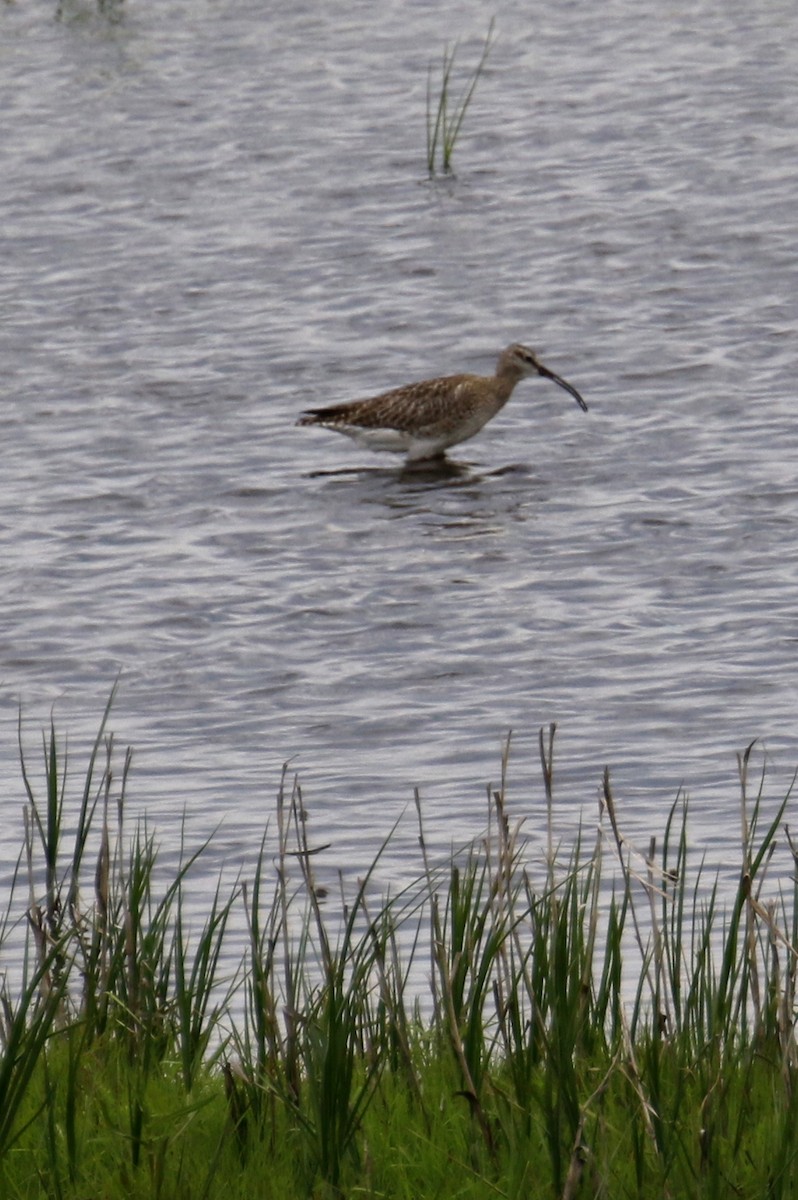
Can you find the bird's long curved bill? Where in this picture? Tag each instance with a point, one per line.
(563, 383)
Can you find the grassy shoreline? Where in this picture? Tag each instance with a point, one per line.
(532, 1069)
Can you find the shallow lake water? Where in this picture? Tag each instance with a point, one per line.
(216, 215)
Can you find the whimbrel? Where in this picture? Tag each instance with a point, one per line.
(423, 419)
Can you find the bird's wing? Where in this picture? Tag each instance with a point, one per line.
(413, 408)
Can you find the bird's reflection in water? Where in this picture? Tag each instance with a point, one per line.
(443, 493)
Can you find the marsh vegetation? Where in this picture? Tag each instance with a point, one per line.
(598, 1021)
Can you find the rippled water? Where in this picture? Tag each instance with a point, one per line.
(215, 215)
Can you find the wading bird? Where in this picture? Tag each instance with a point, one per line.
(422, 420)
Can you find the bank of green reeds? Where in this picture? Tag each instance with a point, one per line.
(602, 1022)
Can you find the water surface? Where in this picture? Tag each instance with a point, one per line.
(215, 215)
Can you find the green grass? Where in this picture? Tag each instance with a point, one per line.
(600, 1020)
(445, 119)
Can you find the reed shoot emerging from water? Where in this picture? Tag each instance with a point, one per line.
(445, 120)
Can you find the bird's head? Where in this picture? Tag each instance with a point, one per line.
(520, 361)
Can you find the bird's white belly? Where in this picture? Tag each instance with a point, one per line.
(393, 440)
(396, 441)
(417, 445)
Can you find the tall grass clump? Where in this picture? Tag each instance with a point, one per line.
(445, 118)
(587, 1018)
